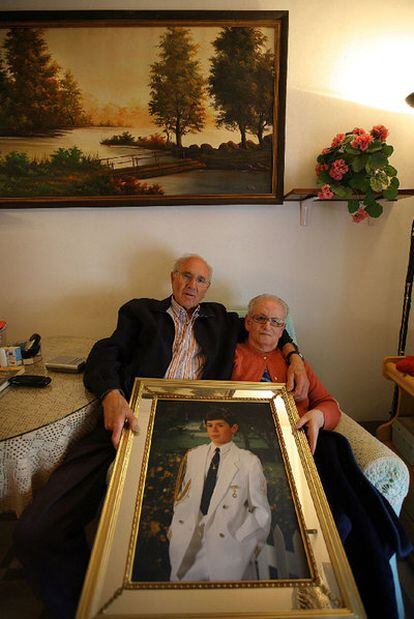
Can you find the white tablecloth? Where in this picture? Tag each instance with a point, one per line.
(37, 426)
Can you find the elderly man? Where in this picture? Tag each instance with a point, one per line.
(179, 337)
(259, 359)
(221, 511)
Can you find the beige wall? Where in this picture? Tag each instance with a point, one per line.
(67, 271)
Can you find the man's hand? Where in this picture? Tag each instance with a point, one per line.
(117, 414)
(297, 378)
(313, 420)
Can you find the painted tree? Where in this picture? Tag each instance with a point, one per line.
(177, 86)
(70, 102)
(5, 98)
(236, 79)
(33, 79)
(263, 95)
(39, 95)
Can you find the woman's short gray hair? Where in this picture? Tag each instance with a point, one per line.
(267, 297)
(177, 264)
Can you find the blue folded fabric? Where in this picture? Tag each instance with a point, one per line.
(368, 526)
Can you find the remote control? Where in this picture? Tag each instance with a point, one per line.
(29, 380)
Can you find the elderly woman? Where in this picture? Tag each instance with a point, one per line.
(259, 359)
(367, 524)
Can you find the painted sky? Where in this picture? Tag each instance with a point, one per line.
(111, 64)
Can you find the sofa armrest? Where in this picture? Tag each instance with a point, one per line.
(384, 469)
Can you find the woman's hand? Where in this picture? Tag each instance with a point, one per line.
(314, 421)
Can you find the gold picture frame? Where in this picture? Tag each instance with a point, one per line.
(298, 569)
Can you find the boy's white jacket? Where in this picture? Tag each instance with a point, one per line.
(237, 522)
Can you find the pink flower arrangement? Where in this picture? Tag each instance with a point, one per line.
(362, 141)
(338, 169)
(325, 192)
(338, 139)
(320, 167)
(360, 215)
(355, 168)
(380, 132)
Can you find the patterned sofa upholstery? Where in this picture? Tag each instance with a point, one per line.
(384, 469)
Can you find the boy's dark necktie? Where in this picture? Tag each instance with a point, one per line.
(210, 482)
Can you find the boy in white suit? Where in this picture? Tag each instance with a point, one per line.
(221, 512)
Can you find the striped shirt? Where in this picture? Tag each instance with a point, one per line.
(188, 359)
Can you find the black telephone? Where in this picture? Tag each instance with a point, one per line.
(32, 347)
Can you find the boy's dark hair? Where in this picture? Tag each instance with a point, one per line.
(220, 413)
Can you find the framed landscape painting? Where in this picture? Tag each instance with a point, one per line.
(141, 108)
(263, 544)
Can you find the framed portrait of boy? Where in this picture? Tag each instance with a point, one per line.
(215, 509)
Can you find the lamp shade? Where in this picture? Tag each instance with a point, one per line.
(410, 99)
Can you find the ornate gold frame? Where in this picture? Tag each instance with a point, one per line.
(109, 590)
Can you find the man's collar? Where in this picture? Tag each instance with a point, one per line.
(205, 311)
(182, 312)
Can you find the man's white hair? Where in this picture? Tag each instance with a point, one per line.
(267, 297)
(177, 264)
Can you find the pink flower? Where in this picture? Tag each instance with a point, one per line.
(320, 167)
(362, 141)
(338, 169)
(360, 215)
(338, 139)
(358, 131)
(325, 192)
(326, 151)
(380, 132)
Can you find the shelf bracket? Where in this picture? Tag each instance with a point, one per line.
(305, 211)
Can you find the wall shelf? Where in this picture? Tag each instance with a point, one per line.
(307, 196)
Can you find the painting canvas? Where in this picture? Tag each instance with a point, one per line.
(283, 566)
(123, 108)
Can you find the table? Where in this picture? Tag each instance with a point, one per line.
(405, 408)
(405, 404)
(38, 425)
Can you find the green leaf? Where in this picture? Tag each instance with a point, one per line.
(379, 182)
(387, 150)
(353, 206)
(376, 161)
(374, 209)
(369, 199)
(390, 170)
(352, 151)
(376, 184)
(358, 163)
(373, 148)
(395, 183)
(342, 192)
(339, 191)
(359, 182)
(390, 194)
(324, 177)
